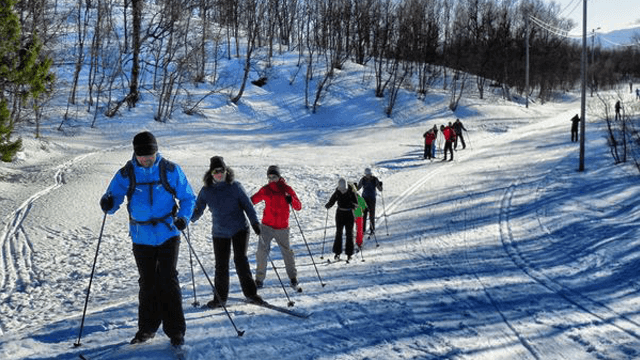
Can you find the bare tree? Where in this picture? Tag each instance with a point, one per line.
(382, 34)
(251, 9)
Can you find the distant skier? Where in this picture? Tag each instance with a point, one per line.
(458, 128)
(151, 185)
(575, 121)
(347, 202)
(369, 184)
(449, 138)
(637, 93)
(429, 137)
(278, 196)
(618, 107)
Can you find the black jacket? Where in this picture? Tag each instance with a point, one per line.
(346, 200)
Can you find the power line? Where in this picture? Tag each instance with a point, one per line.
(577, 3)
(552, 29)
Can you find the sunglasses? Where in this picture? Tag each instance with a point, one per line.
(273, 177)
(217, 171)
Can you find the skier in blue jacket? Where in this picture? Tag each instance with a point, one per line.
(228, 203)
(152, 185)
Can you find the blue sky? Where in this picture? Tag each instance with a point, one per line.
(607, 14)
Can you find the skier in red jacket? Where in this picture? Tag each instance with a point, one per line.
(449, 138)
(429, 137)
(277, 196)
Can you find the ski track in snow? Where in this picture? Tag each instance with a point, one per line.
(18, 276)
(598, 311)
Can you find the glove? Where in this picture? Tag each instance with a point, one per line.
(380, 185)
(328, 206)
(180, 223)
(288, 198)
(256, 228)
(106, 203)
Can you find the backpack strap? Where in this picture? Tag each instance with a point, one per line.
(167, 166)
(127, 171)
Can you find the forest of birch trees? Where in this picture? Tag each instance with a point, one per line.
(109, 53)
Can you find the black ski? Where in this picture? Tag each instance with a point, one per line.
(276, 308)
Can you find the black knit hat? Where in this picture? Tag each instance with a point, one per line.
(217, 162)
(145, 144)
(273, 170)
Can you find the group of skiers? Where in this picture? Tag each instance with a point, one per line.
(161, 203)
(353, 209)
(452, 133)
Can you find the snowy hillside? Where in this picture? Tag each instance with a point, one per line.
(507, 252)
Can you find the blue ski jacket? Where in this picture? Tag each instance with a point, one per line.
(228, 203)
(151, 206)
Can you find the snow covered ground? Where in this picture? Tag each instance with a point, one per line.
(508, 252)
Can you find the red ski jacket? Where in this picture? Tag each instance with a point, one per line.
(449, 134)
(276, 209)
(429, 136)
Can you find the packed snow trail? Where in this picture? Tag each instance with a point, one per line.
(19, 275)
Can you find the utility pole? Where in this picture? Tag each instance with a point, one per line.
(593, 59)
(526, 20)
(584, 84)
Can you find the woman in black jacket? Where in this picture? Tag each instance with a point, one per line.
(347, 202)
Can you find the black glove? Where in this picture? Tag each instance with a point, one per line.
(288, 198)
(380, 185)
(256, 228)
(328, 206)
(106, 203)
(180, 223)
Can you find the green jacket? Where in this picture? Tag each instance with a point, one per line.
(359, 210)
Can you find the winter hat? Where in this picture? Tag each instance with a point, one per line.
(145, 144)
(342, 185)
(216, 163)
(367, 171)
(273, 170)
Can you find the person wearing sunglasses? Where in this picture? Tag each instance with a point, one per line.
(230, 206)
(278, 197)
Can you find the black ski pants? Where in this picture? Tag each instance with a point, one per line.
(369, 212)
(159, 298)
(461, 138)
(427, 151)
(344, 221)
(222, 252)
(448, 146)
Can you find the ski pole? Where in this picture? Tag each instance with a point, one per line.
(93, 269)
(385, 213)
(376, 239)
(193, 280)
(295, 215)
(326, 221)
(215, 292)
(261, 240)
